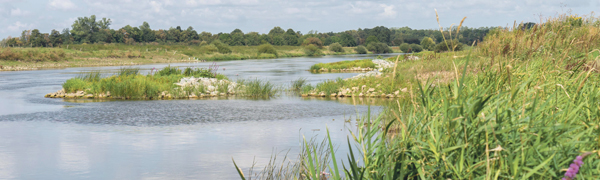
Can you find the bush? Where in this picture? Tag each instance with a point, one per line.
(336, 47)
(74, 85)
(443, 46)
(168, 71)
(222, 47)
(404, 47)
(314, 41)
(209, 49)
(379, 48)
(267, 49)
(415, 48)
(427, 43)
(312, 50)
(361, 49)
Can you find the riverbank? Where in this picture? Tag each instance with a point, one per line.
(21, 59)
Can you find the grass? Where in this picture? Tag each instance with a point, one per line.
(128, 83)
(343, 65)
(77, 55)
(522, 104)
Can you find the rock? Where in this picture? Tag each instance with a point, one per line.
(222, 94)
(404, 90)
(360, 95)
(333, 95)
(89, 96)
(396, 93)
(304, 95)
(371, 90)
(389, 96)
(364, 87)
(322, 94)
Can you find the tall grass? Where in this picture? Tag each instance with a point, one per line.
(364, 63)
(257, 88)
(521, 105)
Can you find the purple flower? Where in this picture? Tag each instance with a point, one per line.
(574, 168)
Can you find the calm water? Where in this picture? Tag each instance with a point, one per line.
(43, 138)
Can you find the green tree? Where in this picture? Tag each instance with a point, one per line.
(84, 28)
(404, 47)
(312, 50)
(291, 38)
(347, 40)
(336, 47)
(314, 41)
(267, 49)
(252, 39)
(361, 49)
(237, 38)
(427, 43)
(55, 38)
(415, 48)
(379, 48)
(371, 39)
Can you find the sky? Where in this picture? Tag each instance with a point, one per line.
(262, 15)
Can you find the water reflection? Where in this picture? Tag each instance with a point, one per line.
(44, 138)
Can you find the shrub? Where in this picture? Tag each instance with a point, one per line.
(74, 85)
(415, 48)
(209, 49)
(312, 50)
(361, 49)
(168, 71)
(267, 49)
(314, 41)
(427, 43)
(222, 47)
(443, 46)
(379, 48)
(404, 47)
(336, 47)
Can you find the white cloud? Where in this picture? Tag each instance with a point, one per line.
(17, 27)
(19, 12)
(62, 4)
(388, 11)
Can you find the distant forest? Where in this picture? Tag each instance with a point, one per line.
(90, 30)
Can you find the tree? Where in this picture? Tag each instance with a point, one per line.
(237, 38)
(336, 47)
(37, 39)
(267, 49)
(84, 28)
(312, 50)
(291, 38)
(252, 39)
(371, 39)
(361, 49)
(379, 48)
(347, 40)
(404, 47)
(314, 41)
(415, 48)
(147, 34)
(427, 43)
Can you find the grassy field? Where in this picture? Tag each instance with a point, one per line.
(80, 55)
(342, 65)
(522, 104)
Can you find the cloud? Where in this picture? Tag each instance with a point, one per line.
(388, 11)
(17, 27)
(62, 4)
(19, 12)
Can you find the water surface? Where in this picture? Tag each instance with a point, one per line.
(42, 138)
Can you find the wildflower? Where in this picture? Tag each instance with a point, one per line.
(574, 168)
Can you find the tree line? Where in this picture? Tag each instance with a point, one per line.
(91, 30)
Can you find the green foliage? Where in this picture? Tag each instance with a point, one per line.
(364, 63)
(404, 47)
(416, 48)
(267, 49)
(313, 41)
(329, 87)
(379, 48)
(312, 50)
(371, 39)
(298, 84)
(336, 47)
(222, 47)
(454, 45)
(257, 88)
(361, 49)
(427, 43)
(74, 85)
(167, 71)
(128, 71)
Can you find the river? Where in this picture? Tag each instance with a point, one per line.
(43, 138)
